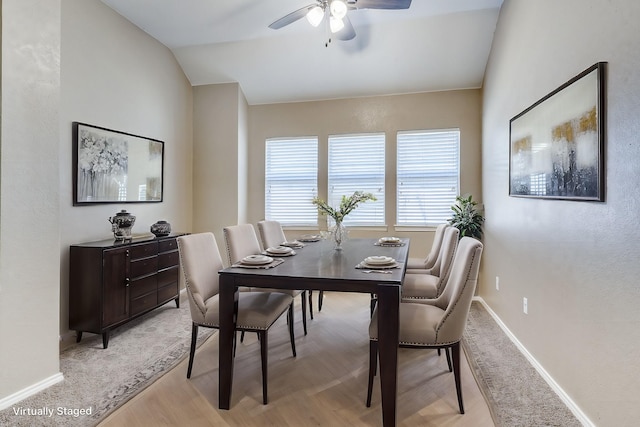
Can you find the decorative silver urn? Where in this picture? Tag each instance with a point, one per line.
(161, 228)
(121, 224)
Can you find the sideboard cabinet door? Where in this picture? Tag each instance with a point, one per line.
(116, 286)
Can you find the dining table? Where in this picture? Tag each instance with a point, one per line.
(319, 266)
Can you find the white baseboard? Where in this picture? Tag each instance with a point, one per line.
(30, 391)
(575, 409)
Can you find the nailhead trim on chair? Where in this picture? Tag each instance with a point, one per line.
(458, 299)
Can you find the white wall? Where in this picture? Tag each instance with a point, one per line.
(576, 262)
(29, 209)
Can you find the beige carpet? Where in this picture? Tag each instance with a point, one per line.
(516, 393)
(100, 380)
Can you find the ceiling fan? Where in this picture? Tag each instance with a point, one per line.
(334, 14)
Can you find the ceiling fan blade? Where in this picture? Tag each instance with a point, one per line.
(380, 4)
(347, 32)
(292, 17)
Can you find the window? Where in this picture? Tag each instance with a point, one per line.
(356, 163)
(291, 181)
(428, 176)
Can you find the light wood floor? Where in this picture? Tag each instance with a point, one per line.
(325, 385)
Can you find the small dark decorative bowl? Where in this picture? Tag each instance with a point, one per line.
(161, 228)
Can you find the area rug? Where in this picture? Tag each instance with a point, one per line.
(97, 380)
(516, 393)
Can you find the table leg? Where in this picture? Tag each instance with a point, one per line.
(228, 316)
(388, 327)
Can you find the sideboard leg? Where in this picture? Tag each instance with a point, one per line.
(105, 339)
(78, 336)
(177, 300)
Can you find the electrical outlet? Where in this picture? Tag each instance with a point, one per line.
(525, 305)
(497, 283)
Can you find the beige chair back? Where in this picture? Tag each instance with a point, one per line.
(271, 234)
(459, 291)
(241, 241)
(430, 261)
(447, 254)
(200, 262)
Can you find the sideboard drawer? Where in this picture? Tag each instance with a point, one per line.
(143, 250)
(144, 266)
(167, 277)
(167, 293)
(143, 303)
(142, 286)
(167, 245)
(168, 259)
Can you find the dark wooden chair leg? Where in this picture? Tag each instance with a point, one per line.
(291, 332)
(192, 350)
(320, 299)
(311, 304)
(263, 358)
(455, 355)
(373, 368)
(242, 336)
(303, 297)
(373, 302)
(447, 350)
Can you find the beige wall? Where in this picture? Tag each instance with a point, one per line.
(29, 195)
(219, 152)
(389, 114)
(75, 60)
(576, 262)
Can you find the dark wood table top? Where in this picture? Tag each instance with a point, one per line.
(322, 267)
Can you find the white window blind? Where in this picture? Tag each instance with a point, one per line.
(291, 180)
(356, 163)
(428, 176)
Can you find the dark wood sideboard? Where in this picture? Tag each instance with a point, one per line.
(111, 283)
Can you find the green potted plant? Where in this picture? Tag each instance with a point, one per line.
(467, 218)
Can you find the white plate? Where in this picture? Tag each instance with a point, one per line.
(379, 260)
(309, 238)
(294, 244)
(378, 266)
(257, 260)
(280, 250)
(389, 240)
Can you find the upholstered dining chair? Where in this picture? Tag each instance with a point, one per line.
(272, 235)
(440, 322)
(424, 265)
(242, 241)
(200, 262)
(430, 285)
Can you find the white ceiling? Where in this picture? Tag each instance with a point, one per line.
(434, 45)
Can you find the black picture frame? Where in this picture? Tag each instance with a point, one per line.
(557, 145)
(111, 166)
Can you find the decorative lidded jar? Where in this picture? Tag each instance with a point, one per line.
(161, 228)
(121, 225)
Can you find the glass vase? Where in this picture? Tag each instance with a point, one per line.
(339, 234)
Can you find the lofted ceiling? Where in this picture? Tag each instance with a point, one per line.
(434, 45)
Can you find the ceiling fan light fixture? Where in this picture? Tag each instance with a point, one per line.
(338, 9)
(315, 15)
(335, 24)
